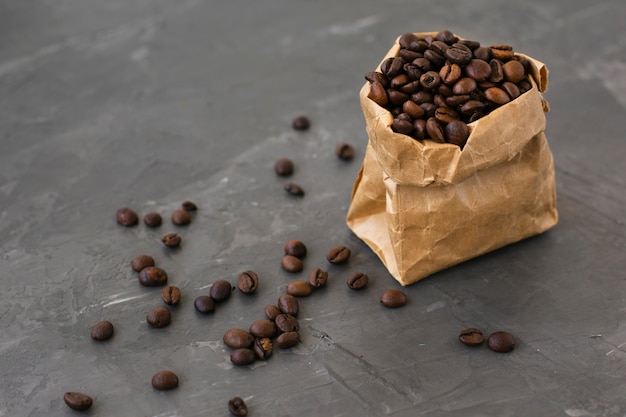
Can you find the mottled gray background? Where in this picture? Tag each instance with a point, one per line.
(146, 103)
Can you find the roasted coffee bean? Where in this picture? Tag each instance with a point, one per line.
(497, 95)
(248, 282)
(140, 262)
(478, 69)
(127, 217)
(430, 80)
(181, 217)
(464, 85)
(445, 115)
(502, 52)
(262, 348)
(497, 72)
(457, 132)
(294, 189)
(439, 100)
(456, 101)
(152, 276)
(164, 380)
(291, 264)
(407, 39)
(475, 116)
(152, 219)
(471, 337)
(338, 255)
(422, 97)
(444, 90)
(501, 342)
(511, 89)
(458, 54)
(396, 98)
(435, 130)
(288, 304)
(301, 123)
(171, 295)
(299, 288)
(429, 110)
(189, 206)
(288, 340)
(237, 407)
(450, 73)
(513, 71)
(238, 338)
(171, 240)
(263, 328)
(413, 72)
(436, 59)
(159, 317)
(318, 278)
(357, 281)
(102, 330)
(344, 151)
(482, 53)
(393, 298)
(419, 127)
(373, 76)
(378, 94)
(287, 323)
(295, 248)
(446, 36)
(283, 167)
(470, 43)
(472, 106)
(439, 46)
(412, 109)
(242, 356)
(271, 311)
(392, 66)
(422, 64)
(404, 127)
(220, 290)
(408, 56)
(204, 304)
(524, 86)
(399, 81)
(78, 401)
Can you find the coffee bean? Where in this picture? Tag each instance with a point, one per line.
(344, 151)
(171, 240)
(378, 94)
(140, 262)
(430, 80)
(435, 130)
(181, 217)
(78, 401)
(435, 57)
(513, 71)
(482, 53)
(502, 342)
(295, 248)
(398, 81)
(294, 189)
(412, 109)
(393, 298)
(152, 276)
(263, 348)
(248, 282)
(299, 288)
(439, 46)
(220, 290)
(288, 340)
(338, 255)
(164, 380)
(392, 66)
(238, 338)
(419, 127)
(357, 281)
(478, 69)
(472, 106)
(502, 52)
(127, 217)
(511, 89)
(171, 295)
(237, 407)
(404, 127)
(450, 73)
(242, 356)
(446, 36)
(271, 311)
(283, 167)
(497, 95)
(152, 219)
(471, 337)
(458, 54)
(287, 323)
(189, 206)
(396, 98)
(374, 76)
(288, 304)
(456, 132)
(318, 278)
(301, 123)
(497, 72)
(470, 43)
(464, 85)
(263, 328)
(204, 304)
(291, 264)
(445, 115)
(159, 317)
(407, 39)
(102, 330)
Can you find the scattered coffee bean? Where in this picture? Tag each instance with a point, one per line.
(271, 311)
(288, 340)
(248, 282)
(242, 356)
(127, 217)
(238, 338)
(263, 348)
(287, 323)
(471, 337)
(299, 288)
(204, 304)
(357, 281)
(338, 255)
(301, 123)
(295, 248)
(393, 298)
(171, 295)
(502, 342)
(152, 219)
(288, 304)
(294, 189)
(283, 167)
(344, 151)
(159, 317)
(181, 217)
(189, 206)
(165, 380)
(140, 262)
(102, 330)
(263, 328)
(318, 278)
(171, 240)
(220, 290)
(237, 407)
(152, 276)
(291, 264)
(78, 401)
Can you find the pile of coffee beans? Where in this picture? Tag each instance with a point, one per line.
(438, 84)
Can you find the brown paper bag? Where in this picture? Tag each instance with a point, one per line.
(425, 206)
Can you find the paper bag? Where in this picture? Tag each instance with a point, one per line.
(423, 206)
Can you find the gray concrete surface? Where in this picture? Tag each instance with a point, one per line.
(105, 104)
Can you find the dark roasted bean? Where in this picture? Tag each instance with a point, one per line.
(140, 262)
(501, 342)
(283, 167)
(471, 337)
(238, 338)
(357, 281)
(102, 330)
(301, 123)
(159, 317)
(181, 217)
(165, 380)
(338, 255)
(287, 340)
(78, 401)
(288, 304)
(393, 298)
(248, 282)
(318, 278)
(204, 304)
(127, 217)
(171, 240)
(220, 290)
(237, 407)
(170, 295)
(152, 276)
(152, 219)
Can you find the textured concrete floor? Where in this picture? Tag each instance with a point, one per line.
(105, 104)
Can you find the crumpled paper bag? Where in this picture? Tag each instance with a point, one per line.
(423, 206)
